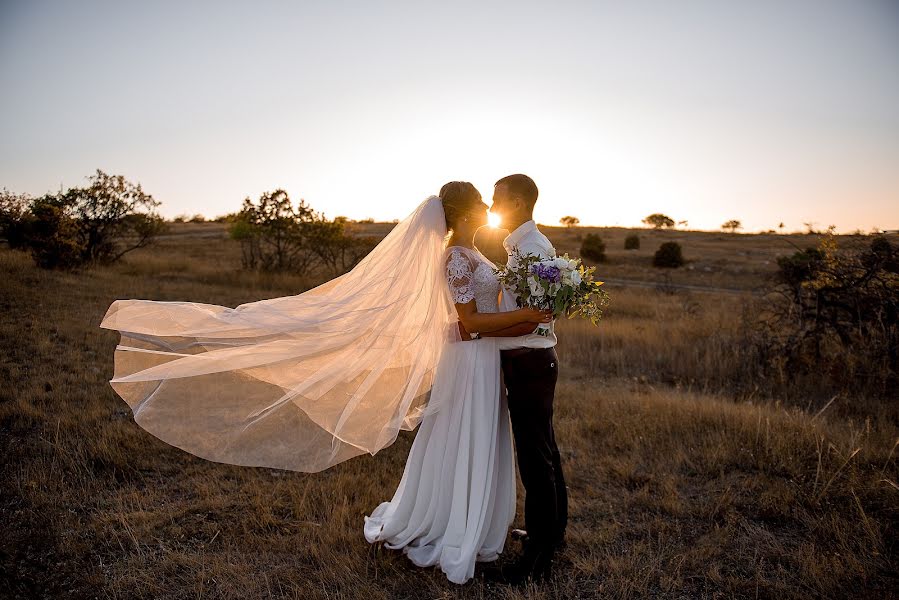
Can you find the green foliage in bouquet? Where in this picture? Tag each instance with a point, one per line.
(562, 284)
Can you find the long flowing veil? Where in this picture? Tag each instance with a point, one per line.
(298, 382)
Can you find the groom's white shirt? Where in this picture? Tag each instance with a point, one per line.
(528, 239)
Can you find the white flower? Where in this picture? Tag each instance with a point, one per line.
(575, 278)
(560, 263)
(536, 289)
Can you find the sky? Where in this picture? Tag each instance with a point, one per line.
(766, 112)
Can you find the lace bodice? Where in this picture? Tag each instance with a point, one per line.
(470, 276)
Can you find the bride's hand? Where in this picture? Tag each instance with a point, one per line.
(536, 315)
(463, 333)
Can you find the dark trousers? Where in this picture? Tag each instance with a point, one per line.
(530, 380)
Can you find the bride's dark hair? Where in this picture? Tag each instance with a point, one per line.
(458, 197)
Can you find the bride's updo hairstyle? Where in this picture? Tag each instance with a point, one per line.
(458, 198)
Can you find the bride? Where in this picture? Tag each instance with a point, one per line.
(456, 499)
(305, 382)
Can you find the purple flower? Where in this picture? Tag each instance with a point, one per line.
(549, 273)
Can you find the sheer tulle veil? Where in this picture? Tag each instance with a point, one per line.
(298, 382)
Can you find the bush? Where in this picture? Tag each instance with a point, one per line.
(632, 242)
(14, 218)
(593, 248)
(52, 236)
(271, 233)
(668, 255)
(276, 236)
(832, 316)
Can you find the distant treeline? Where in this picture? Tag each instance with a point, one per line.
(100, 223)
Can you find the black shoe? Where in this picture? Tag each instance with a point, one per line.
(535, 565)
(522, 536)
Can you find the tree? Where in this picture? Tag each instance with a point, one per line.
(569, 221)
(112, 217)
(658, 221)
(99, 223)
(733, 225)
(668, 255)
(593, 248)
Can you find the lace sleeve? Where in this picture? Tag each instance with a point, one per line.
(459, 276)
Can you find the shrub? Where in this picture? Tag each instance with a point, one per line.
(632, 242)
(52, 235)
(593, 248)
(335, 246)
(668, 255)
(95, 224)
(832, 315)
(271, 233)
(14, 218)
(275, 235)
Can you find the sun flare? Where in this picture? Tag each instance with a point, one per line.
(493, 220)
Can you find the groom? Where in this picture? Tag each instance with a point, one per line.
(530, 374)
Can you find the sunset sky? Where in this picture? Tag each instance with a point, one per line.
(706, 111)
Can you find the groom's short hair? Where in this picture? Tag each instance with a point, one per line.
(521, 186)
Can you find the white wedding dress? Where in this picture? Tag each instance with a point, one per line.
(456, 499)
(305, 382)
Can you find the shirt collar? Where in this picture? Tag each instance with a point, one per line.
(516, 236)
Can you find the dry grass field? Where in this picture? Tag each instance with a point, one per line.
(685, 480)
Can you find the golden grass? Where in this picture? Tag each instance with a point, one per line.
(675, 491)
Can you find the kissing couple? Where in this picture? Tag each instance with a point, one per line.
(419, 333)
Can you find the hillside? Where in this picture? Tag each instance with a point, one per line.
(684, 482)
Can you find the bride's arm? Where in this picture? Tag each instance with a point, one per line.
(460, 278)
(513, 331)
(485, 323)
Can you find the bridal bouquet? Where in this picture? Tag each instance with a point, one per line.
(560, 283)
